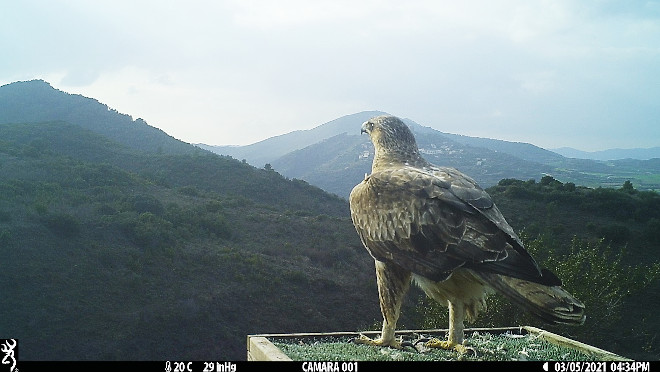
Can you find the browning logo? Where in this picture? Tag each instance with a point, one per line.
(9, 348)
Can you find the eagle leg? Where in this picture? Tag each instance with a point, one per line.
(393, 284)
(455, 334)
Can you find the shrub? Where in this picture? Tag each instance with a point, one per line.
(616, 233)
(152, 231)
(62, 224)
(652, 230)
(188, 190)
(147, 203)
(5, 237)
(592, 272)
(216, 224)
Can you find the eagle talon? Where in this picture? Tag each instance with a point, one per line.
(364, 340)
(434, 343)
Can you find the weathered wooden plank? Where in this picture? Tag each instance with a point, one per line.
(259, 348)
(570, 343)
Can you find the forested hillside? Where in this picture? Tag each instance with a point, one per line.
(114, 252)
(37, 101)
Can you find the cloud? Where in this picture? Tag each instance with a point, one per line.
(218, 71)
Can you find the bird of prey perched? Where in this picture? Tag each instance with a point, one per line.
(437, 227)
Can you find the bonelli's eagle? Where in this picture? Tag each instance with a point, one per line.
(436, 226)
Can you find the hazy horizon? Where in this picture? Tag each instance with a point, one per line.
(554, 74)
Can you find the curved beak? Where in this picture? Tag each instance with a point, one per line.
(364, 127)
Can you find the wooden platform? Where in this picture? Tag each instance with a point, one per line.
(260, 347)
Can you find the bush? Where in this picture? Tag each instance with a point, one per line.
(147, 203)
(5, 237)
(592, 272)
(189, 191)
(216, 224)
(152, 231)
(616, 233)
(509, 182)
(652, 230)
(62, 224)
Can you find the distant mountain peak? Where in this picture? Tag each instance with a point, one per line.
(29, 85)
(272, 148)
(37, 101)
(34, 82)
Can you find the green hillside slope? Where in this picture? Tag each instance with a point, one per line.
(112, 254)
(37, 101)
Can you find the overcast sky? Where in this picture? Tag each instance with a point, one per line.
(584, 74)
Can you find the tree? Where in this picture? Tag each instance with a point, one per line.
(628, 187)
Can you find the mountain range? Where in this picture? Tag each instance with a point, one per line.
(334, 157)
(120, 242)
(610, 154)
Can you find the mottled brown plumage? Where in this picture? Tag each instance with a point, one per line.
(437, 226)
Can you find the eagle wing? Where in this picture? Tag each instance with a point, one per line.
(434, 220)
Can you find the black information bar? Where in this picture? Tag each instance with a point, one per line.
(345, 366)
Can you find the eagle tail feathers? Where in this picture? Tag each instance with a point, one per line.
(551, 303)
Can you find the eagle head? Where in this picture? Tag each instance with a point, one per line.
(390, 136)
